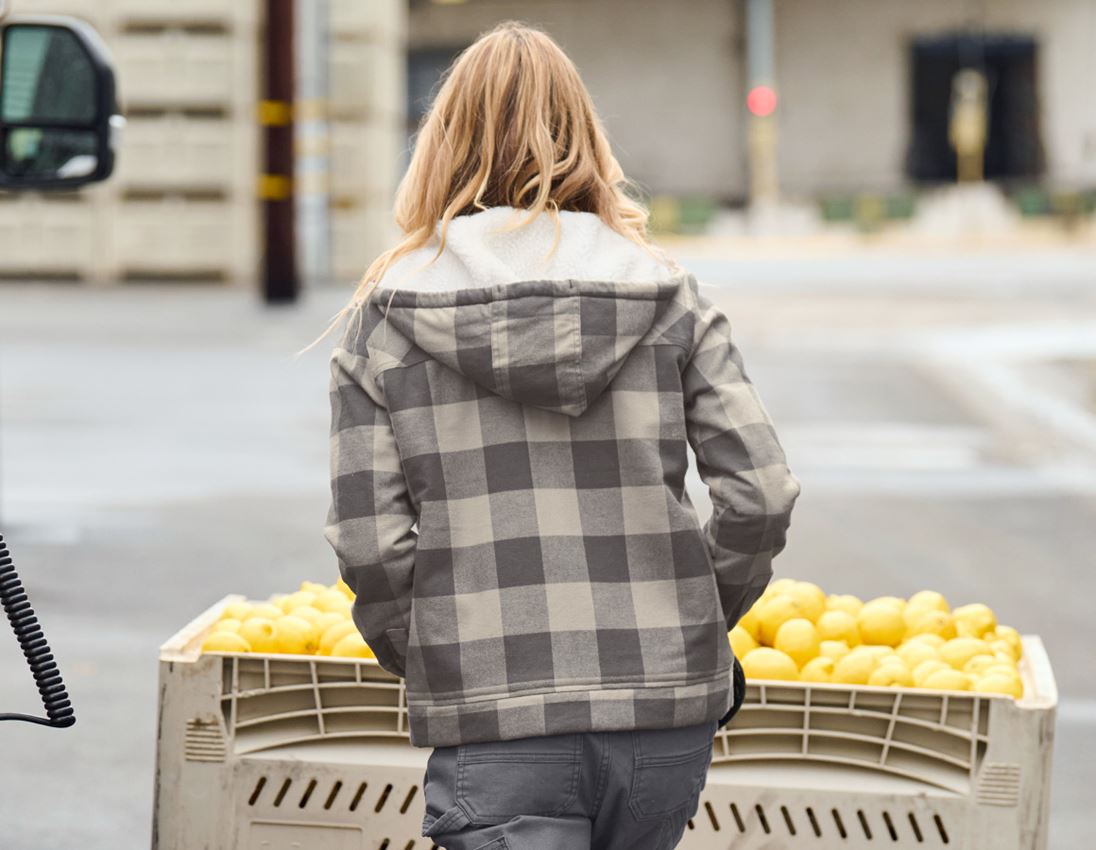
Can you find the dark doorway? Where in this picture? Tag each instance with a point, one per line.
(1013, 146)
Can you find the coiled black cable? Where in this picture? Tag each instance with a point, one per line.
(33, 643)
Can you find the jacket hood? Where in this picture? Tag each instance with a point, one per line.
(548, 332)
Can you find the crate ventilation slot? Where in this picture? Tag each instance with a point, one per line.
(999, 784)
(889, 826)
(204, 740)
(307, 793)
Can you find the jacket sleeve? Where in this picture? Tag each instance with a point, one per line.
(369, 524)
(740, 459)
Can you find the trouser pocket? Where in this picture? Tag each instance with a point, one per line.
(670, 769)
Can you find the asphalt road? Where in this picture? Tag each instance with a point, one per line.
(160, 447)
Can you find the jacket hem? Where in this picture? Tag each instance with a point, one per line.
(568, 712)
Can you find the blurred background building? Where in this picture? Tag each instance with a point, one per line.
(848, 108)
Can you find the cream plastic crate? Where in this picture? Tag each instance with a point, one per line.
(367, 79)
(261, 751)
(365, 159)
(179, 151)
(174, 67)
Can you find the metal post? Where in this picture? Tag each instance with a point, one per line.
(761, 76)
(279, 261)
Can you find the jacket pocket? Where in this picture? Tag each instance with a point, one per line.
(499, 780)
(670, 769)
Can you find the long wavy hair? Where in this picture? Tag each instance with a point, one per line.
(512, 124)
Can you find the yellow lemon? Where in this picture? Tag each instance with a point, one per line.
(1003, 647)
(235, 611)
(333, 634)
(811, 599)
(958, 651)
(775, 613)
(929, 599)
(229, 624)
(750, 622)
(295, 600)
(833, 649)
(331, 600)
(307, 612)
(225, 642)
(979, 663)
(947, 680)
(893, 601)
(352, 646)
(932, 640)
(844, 602)
(798, 639)
(342, 586)
(838, 625)
(314, 586)
(259, 632)
(923, 670)
(854, 669)
(741, 642)
(999, 683)
(913, 652)
(1012, 637)
(780, 585)
(267, 610)
(974, 620)
(1002, 668)
(923, 622)
(818, 669)
(329, 618)
(295, 635)
(891, 675)
(767, 663)
(881, 623)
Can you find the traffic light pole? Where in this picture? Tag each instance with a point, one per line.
(762, 101)
(281, 283)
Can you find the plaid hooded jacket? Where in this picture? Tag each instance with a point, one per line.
(508, 459)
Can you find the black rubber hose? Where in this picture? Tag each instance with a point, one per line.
(33, 643)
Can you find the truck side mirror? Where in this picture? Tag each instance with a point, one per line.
(58, 110)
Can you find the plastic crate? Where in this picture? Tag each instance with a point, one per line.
(261, 751)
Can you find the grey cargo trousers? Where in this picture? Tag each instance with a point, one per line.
(624, 790)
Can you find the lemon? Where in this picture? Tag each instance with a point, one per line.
(225, 642)
(929, 599)
(854, 669)
(926, 668)
(958, 651)
(922, 622)
(334, 634)
(259, 632)
(798, 639)
(307, 612)
(741, 642)
(331, 600)
(267, 610)
(974, 620)
(295, 635)
(235, 611)
(294, 600)
(838, 625)
(329, 618)
(314, 586)
(891, 658)
(933, 640)
(750, 622)
(1012, 637)
(1002, 668)
(775, 613)
(1003, 647)
(781, 585)
(811, 599)
(913, 652)
(767, 663)
(891, 675)
(834, 649)
(344, 588)
(979, 663)
(881, 623)
(818, 669)
(947, 680)
(229, 624)
(844, 602)
(998, 683)
(893, 601)
(352, 646)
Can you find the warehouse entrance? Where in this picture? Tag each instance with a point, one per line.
(1007, 63)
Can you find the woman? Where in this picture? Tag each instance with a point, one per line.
(512, 399)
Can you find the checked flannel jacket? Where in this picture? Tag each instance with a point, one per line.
(508, 460)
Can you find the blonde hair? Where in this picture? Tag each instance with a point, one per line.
(512, 125)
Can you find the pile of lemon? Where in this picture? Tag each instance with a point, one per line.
(795, 631)
(314, 620)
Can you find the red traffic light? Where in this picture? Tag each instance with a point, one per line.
(761, 101)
